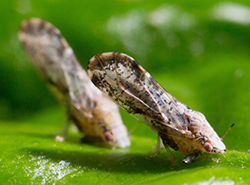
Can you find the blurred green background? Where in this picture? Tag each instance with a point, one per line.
(197, 50)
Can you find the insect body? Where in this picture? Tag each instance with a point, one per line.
(122, 79)
(93, 113)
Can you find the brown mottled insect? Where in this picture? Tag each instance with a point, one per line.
(93, 113)
(122, 79)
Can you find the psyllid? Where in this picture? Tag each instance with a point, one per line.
(124, 81)
(95, 115)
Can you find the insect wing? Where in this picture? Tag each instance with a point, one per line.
(55, 59)
(119, 76)
(130, 86)
(96, 116)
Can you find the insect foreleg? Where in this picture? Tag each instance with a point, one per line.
(189, 158)
(161, 146)
(206, 158)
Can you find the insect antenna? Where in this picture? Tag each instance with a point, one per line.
(227, 131)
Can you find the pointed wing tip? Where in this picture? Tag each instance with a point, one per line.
(30, 23)
(90, 73)
(35, 25)
(109, 56)
(94, 62)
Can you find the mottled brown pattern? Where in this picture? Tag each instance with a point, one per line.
(95, 115)
(122, 79)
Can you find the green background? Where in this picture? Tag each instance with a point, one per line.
(197, 50)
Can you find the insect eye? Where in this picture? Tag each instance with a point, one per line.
(208, 147)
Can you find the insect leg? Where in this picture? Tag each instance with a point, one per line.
(189, 158)
(159, 147)
(208, 158)
(64, 132)
(171, 155)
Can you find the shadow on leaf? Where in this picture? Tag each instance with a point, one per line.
(116, 161)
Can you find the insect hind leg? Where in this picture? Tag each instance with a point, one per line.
(159, 147)
(64, 132)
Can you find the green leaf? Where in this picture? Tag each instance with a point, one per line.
(195, 50)
(31, 155)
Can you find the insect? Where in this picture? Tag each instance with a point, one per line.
(122, 79)
(94, 114)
